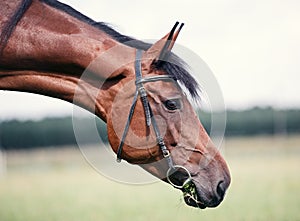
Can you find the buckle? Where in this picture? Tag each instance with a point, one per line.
(166, 153)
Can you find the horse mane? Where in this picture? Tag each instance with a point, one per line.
(174, 65)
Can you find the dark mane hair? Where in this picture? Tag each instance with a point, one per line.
(175, 66)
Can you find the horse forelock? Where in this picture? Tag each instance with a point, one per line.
(173, 66)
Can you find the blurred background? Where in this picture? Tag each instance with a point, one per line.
(253, 49)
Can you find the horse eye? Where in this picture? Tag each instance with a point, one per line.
(172, 104)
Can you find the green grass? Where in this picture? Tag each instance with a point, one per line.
(60, 185)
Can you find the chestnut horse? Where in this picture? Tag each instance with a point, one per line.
(46, 46)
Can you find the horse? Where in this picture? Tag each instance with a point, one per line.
(46, 46)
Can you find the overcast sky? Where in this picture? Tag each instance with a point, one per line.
(252, 47)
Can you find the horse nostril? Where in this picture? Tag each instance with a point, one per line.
(221, 189)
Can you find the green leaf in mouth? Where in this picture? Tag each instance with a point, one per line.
(190, 189)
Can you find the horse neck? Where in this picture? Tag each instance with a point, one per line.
(49, 50)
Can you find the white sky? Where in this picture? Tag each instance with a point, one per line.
(252, 47)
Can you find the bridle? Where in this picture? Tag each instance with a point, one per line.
(150, 119)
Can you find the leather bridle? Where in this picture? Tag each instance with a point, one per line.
(150, 119)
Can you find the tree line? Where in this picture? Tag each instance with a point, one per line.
(53, 132)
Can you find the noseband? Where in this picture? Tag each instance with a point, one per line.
(140, 90)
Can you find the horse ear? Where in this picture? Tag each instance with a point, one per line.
(159, 49)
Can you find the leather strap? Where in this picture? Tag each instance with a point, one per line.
(140, 90)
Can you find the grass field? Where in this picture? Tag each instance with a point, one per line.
(58, 184)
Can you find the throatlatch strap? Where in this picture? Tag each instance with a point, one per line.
(139, 90)
(140, 86)
(120, 148)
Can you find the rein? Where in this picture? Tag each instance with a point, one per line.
(150, 119)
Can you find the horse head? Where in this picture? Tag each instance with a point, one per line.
(163, 133)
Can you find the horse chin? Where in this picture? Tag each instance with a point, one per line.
(191, 201)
